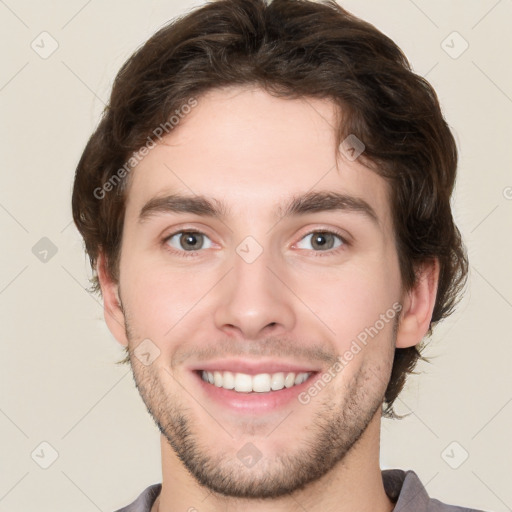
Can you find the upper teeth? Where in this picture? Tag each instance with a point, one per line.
(261, 383)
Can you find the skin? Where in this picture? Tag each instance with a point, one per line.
(296, 302)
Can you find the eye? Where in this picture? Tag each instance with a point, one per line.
(188, 241)
(321, 241)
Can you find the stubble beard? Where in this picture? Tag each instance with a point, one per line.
(338, 423)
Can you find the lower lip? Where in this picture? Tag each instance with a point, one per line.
(254, 402)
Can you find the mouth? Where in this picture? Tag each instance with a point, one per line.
(253, 388)
(259, 383)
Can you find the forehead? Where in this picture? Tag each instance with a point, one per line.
(252, 151)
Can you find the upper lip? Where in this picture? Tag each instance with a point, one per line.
(254, 367)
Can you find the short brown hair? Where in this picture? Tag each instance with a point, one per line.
(292, 49)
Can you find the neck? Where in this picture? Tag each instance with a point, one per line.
(355, 483)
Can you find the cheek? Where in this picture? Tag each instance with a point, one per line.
(158, 298)
(352, 299)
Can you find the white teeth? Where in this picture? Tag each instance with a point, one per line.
(228, 380)
(301, 377)
(217, 379)
(243, 382)
(277, 381)
(260, 383)
(289, 380)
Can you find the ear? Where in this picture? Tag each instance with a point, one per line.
(418, 305)
(114, 315)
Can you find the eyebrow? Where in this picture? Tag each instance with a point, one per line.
(309, 202)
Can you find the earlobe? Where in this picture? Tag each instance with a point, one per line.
(418, 306)
(112, 310)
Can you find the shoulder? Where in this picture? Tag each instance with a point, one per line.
(409, 494)
(437, 506)
(145, 500)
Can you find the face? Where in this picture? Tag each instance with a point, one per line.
(254, 258)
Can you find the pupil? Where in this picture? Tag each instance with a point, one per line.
(190, 240)
(322, 240)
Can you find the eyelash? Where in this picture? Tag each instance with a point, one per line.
(186, 254)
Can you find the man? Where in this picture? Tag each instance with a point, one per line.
(266, 204)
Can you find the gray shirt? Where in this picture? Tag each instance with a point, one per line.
(403, 488)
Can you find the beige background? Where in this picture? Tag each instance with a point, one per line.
(59, 383)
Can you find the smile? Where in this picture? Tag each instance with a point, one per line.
(260, 383)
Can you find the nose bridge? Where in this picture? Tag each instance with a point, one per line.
(251, 271)
(253, 285)
(253, 299)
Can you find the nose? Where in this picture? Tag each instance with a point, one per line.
(255, 300)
